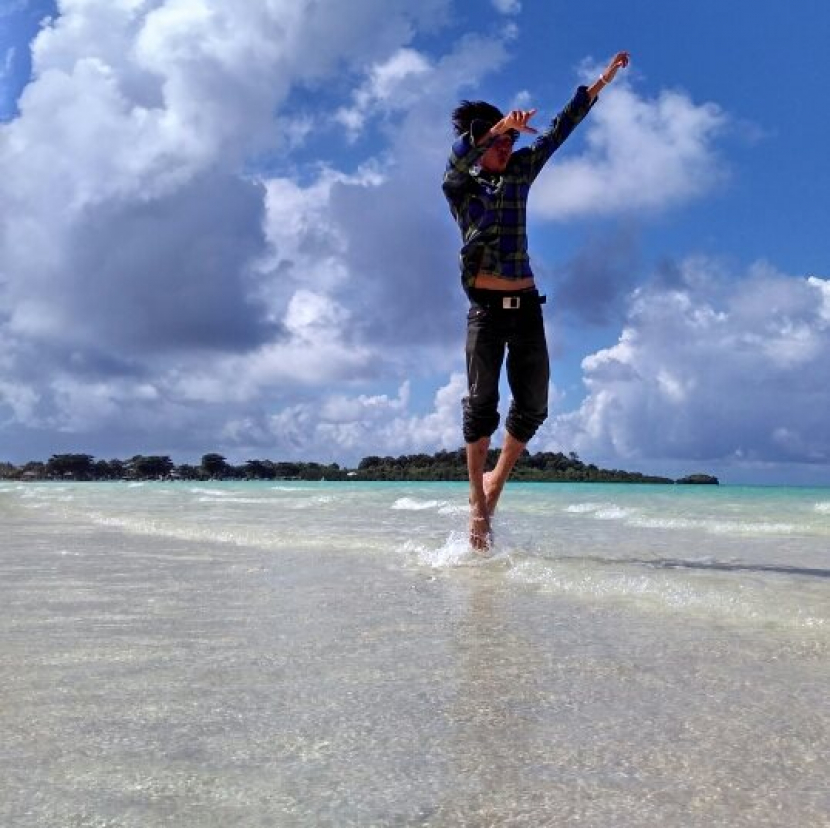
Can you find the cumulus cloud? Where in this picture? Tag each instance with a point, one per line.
(157, 291)
(155, 283)
(642, 155)
(354, 426)
(711, 369)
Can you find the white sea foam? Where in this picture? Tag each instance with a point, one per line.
(823, 507)
(663, 523)
(305, 502)
(211, 499)
(752, 528)
(411, 504)
(613, 512)
(455, 551)
(599, 511)
(148, 526)
(450, 509)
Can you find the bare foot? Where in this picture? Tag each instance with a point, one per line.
(492, 492)
(479, 526)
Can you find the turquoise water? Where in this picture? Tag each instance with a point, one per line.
(745, 553)
(333, 654)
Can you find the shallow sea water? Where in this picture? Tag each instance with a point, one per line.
(332, 654)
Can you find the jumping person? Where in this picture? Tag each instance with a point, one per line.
(486, 185)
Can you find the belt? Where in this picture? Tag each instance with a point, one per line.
(505, 300)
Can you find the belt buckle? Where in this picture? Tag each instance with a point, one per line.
(510, 302)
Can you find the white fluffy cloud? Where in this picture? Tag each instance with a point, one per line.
(712, 369)
(642, 155)
(355, 426)
(394, 84)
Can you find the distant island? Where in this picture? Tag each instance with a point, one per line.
(544, 466)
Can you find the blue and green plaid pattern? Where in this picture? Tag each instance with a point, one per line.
(491, 208)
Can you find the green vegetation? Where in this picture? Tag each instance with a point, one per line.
(706, 479)
(443, 465)
(544, 466)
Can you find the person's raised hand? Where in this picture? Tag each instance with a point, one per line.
(619, 61)
(515, 119)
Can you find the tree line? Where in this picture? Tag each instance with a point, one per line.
(443, 465)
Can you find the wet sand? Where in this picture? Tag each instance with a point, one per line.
(149, 681)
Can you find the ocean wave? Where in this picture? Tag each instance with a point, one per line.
(823, 507)
(700, 594)
(148, 526)
(269, 538)
(718, 527)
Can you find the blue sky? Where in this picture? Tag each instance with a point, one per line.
(223, 230)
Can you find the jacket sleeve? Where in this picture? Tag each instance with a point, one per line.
(464, 155)
(560, 128)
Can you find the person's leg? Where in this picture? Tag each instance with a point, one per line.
(485, 354)
(494, 481)
(479, 515)
(528, 373)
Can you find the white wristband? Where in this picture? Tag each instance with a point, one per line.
(604, 80)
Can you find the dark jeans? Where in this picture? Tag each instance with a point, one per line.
(491, 330)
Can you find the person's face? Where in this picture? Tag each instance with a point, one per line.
(498, 154)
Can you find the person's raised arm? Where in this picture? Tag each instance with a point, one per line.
(619, 61)
(566, 121)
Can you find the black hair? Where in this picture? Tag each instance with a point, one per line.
(468, 111)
